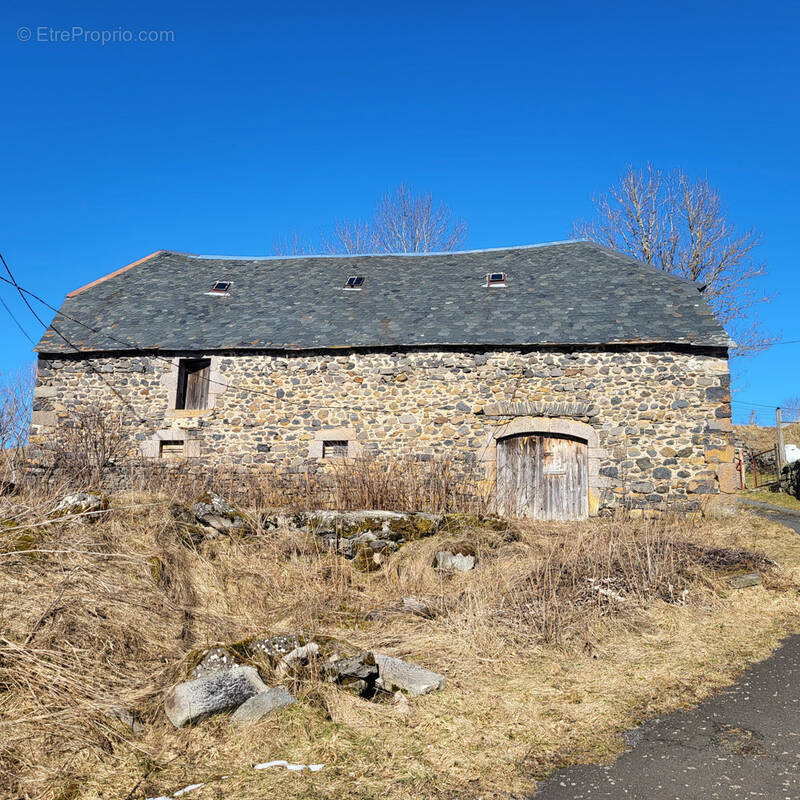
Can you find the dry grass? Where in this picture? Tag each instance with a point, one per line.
(543, 667)
(775, 498)
(758, 438)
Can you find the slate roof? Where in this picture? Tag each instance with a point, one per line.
(564, 293)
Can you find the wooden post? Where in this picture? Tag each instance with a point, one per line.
(781, 451)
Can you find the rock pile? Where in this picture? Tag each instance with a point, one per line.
(193, 701)
(208, 517)
(364, 537)
(221, 681)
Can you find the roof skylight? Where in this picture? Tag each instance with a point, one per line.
(354, 283)
(220, 287)
(495, 279)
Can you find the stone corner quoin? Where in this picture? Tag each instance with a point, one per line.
(656, 421)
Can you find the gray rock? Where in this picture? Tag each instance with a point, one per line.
(743, 581)
(396, 674)
(345, 531)
(379, 545)
(80, 503)
(262, 704)
(297, 658)
(275, 647)
(217, 659)
(126, 718)
(214, 512)
(193, 701)
(357, 673)
(454, 561)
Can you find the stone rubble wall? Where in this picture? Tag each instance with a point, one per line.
(660, 419)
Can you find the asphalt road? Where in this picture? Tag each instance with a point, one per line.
(743, 743)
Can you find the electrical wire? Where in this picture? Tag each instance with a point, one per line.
(130, 344)
(16, 321)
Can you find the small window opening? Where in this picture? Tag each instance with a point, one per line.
(171, 450)
(354, 283)
(495, 279)
(220, 287)
(194, 375)
(334, 448)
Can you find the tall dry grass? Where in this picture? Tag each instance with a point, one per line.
(89, 457)
(106, 614)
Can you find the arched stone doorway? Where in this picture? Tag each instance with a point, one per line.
(542, 476)
(545, 468)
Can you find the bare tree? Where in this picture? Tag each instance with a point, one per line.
(16, 402)
(350, 237)
(293, 245)
(791, 409)
(680, 226)
(404, 222)
(89, 444)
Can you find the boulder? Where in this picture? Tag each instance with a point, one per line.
(335, 660)
(366, 559)
(460, 562)
(81, 503)
(396, 674)
(260, 705)
(743, 581)
(273, 647)
(213, 512)
(357, 673)
(208, 517)
(193, 701)
(298, 659)
(217, 659)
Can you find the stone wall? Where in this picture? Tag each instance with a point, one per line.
(657, 422)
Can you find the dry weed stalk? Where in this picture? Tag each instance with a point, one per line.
(108, 613)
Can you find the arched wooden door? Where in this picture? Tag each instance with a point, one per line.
(543, 477)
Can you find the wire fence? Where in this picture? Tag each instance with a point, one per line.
(758, 469)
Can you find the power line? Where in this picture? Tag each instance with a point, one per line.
(21, 294)
(16, 321)
(773, 406)
(128, 344)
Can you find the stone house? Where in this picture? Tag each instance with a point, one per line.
(572, 377)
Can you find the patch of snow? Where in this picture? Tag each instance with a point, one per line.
(265, 765)
(186, 789)
(292, 767)
(180, 792)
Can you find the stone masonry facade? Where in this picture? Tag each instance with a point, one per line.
(657, 422)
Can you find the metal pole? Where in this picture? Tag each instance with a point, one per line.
(781, 451)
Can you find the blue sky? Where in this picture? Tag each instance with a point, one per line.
(259, 119)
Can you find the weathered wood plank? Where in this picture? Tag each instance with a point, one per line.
(543, 477)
